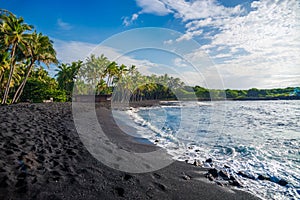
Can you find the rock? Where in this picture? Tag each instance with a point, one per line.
(245, 175)
(209, 160)
(282, 182)
(197, 163)
(232, 178)
(207, 165)
(213, 172)
(219, 183)
(261, 177)
(209, 176)
(160, 186)
(234, 182)
(224, 175)
(156, 141)
(186, 177)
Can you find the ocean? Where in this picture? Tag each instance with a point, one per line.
(252, 137)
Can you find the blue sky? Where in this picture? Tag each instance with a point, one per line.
(246, 43)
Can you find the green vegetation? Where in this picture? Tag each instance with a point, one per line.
(40, 86)
(22, 78)
(21, 49)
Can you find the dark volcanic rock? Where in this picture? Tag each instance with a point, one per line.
(186, 177)
(282, 182)
(213, 172)
(261, 177)
(235, 182)
(210, 177)
(224, 175)
(197, 163)
(219, 183)
(245, 175)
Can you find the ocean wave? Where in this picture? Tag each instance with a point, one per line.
(252, 141)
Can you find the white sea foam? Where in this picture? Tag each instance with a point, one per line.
(258, 138)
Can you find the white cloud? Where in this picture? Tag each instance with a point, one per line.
(168, 42)
(200, 9)
(180, 62)
(153, 6)
(69, 51)
(148, 6)
(258, 43)
(128, 21)
(223, 55)
(201, 73)
(270, 36)
(189, 35)
(63, 25)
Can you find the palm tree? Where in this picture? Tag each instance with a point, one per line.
(13, 38)
(40, 50)
(93, 70)
(66, 74)
(111, 70)
(4, 66)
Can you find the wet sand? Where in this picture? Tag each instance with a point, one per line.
(42, 157)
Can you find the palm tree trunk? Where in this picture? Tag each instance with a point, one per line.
(21, 87)
(12, 68)
(1, 76)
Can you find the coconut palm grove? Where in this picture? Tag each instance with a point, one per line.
(26, 53)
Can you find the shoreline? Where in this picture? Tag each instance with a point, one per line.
(42, 157)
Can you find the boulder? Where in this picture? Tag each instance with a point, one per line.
(197, 163)
(219, 183)
(245, 175)
(186, 177)
(224, 175)
(282, 182)
(213, 172)
(262, 177)
(235, 182)
(226, 166)
(210, 177)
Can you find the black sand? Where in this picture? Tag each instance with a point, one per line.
(42, 157)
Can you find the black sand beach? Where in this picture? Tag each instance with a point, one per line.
(42, 157)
